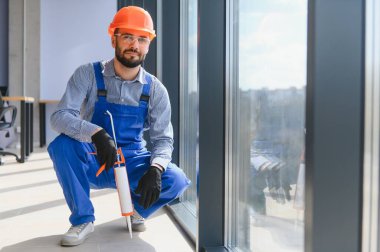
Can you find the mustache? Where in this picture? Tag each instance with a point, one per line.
(131, 50)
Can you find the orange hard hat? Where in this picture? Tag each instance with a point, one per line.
(133, 18)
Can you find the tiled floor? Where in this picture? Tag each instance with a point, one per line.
(33, 215)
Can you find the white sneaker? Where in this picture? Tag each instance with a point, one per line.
(77, 234)
(138, 222)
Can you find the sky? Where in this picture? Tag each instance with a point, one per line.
(272, 44)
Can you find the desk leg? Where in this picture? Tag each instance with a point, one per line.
(31, 127)
(27, 127)
(23, 133)
(42, 107)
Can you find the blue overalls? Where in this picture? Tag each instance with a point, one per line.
(76, 167)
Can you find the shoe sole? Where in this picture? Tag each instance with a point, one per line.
(74, 243)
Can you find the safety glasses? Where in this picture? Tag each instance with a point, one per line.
(129, 39)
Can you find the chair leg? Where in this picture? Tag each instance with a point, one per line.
(4, 153)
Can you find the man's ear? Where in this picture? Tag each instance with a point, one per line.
(113, 41)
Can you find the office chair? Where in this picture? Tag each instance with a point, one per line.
(6, 124)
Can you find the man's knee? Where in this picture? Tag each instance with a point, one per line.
(177, 178)
(60, 141)
(64, 145)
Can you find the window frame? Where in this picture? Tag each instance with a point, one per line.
(370, 225)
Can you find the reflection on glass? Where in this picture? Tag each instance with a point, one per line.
(189, 103)
(269, 177)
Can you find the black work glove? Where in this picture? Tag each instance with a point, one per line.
(105, 148)
(149, 187)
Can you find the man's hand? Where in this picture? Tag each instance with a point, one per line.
(105, 148)
(149, 187)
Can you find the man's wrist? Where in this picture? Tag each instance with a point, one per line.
(96, 131)
(158, 167)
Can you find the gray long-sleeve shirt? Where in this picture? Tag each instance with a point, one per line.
(74, 112)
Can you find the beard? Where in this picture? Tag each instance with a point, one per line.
(130, 63)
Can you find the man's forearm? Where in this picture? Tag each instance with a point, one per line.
(69, 123)
(162, 152)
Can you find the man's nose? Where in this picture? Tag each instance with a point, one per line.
(135, 43)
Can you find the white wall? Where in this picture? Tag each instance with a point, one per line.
(72, 33)
(24, 54)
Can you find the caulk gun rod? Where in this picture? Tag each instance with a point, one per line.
(114, 136)
(129, 225)
(113, 129)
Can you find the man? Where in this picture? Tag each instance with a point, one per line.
(137, 101)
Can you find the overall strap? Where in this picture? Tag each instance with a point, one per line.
(102, 92)
(144, 98)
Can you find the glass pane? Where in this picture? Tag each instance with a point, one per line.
(371, 202)
(268, 133)
(189, 102)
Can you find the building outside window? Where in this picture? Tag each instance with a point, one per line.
(189, 112)
(266, 125)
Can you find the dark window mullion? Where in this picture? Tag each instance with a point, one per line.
(211, 68)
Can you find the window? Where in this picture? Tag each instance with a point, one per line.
(189, 112)
(370, 223)
(266, 125)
